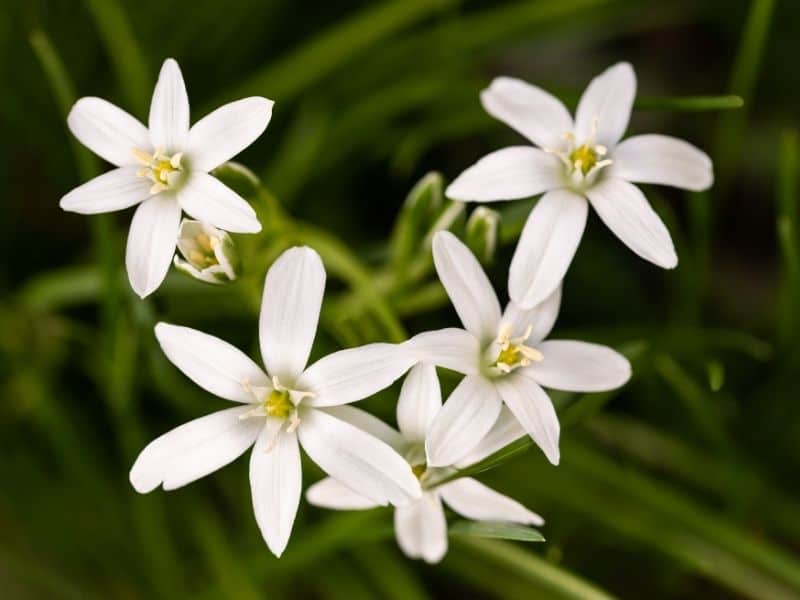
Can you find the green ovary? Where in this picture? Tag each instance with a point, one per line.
(583, 157)
(278, 404)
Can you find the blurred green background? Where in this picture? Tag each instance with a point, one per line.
(683, 484)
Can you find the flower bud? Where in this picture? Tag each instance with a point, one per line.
(209, 254)
(481, 233)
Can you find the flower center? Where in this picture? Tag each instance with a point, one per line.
(582, 163)
(165, 171)
(204, 254)
(584, 158)
(276, 401)
(513, 353)
(419, 470)
(278, 404)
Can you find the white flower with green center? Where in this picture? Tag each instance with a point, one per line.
(578, 163)
(208, 254)
(421, 527)
(164, 168)
(286, 406)
(506, 360)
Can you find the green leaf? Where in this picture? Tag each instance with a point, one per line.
(497, 530)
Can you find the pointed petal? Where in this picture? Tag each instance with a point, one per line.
(627, 213)
(108, 192)
(534, 410)
(473, 500)
(207, 199)
(547, 246)
(194, 450)
(108, 131)
(536, 114)
(151, 243)
(420, 400)
(222, 134)
(540, 318)
(663, 160)
(169, 110)
(357, 459)
(369, 423)
(467, 285)
(275, 481)
(214, 365)
(290, 308)
(579, 367)
(354, 374)
(467, 416)
(451, 348)
(421, 529)
(608, 100)
(506, 429)
(508, 174)
(329, 493)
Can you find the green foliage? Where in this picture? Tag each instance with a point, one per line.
(682, 484)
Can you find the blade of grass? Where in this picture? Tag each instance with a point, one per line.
(556, 582)
(789, 299)
(126, 55)
(317, 58)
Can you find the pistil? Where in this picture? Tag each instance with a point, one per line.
(163, 170)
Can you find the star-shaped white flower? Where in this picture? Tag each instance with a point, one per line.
(165, 169)
(282, 408)
(575, 162)
(505, 358)
(421, 527)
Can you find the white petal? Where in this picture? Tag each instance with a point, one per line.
(290, 308)
(151, 243)
(275, 481)
(579, 367)
(222, 134)
(421, 529)
(110, 191)
(467, 416)
(506, 429)
(420, 400)
(329, 493)
(108, 131)
(467, 285)
(607, 101)
(194, 450)
(532, 406)
(450, 348)
(536, 114)
(663, 160)
(508, 174)
(540, 318)
(214, 365)
(354, 374)
(627, 213)
(169, 110)
(357, 459)
(546, 247)
(207, 199)
(369, 423)
(473, 500)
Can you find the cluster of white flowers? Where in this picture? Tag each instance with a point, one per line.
(504, 356)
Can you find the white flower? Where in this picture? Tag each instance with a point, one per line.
(577, 161)
(164, 168)
(420, 527)
(209, 254)
(286, 406)
(505, 360)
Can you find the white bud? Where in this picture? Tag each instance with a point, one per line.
(206, 253)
